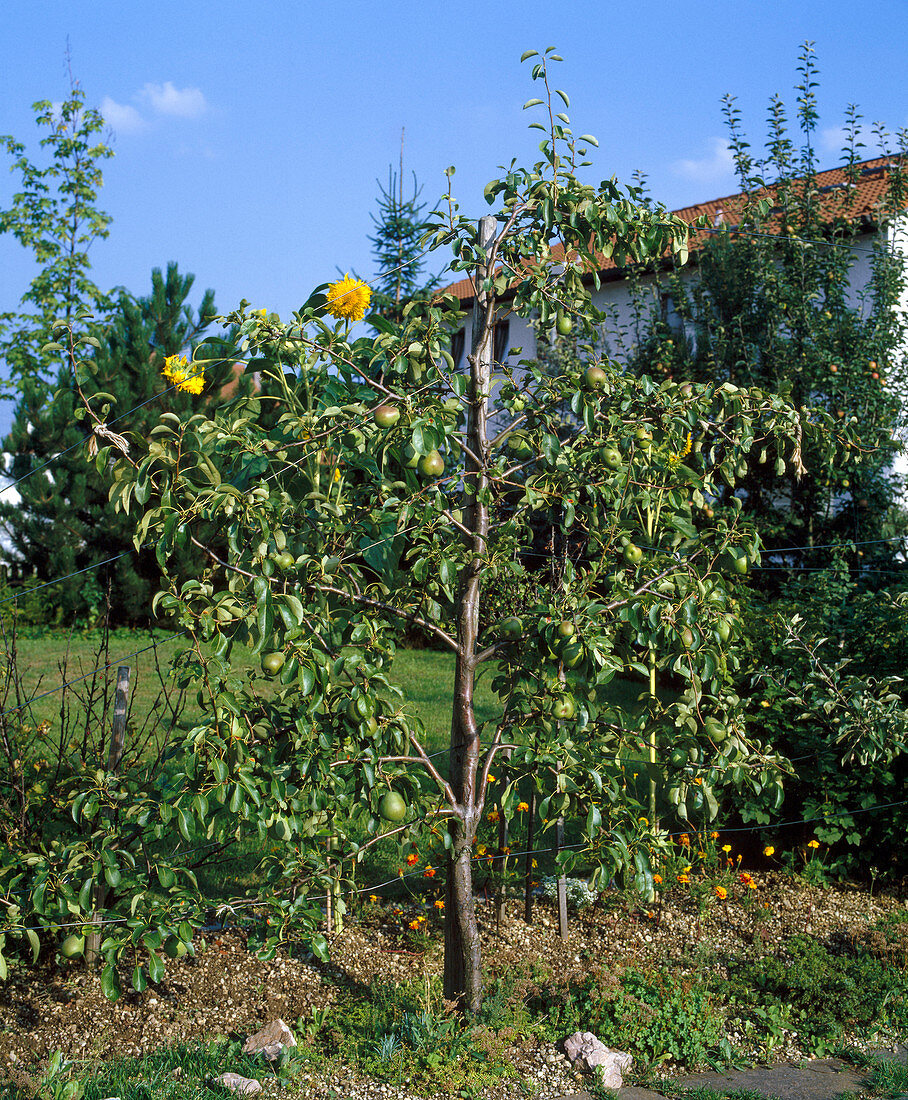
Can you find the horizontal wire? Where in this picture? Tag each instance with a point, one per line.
(97, 668)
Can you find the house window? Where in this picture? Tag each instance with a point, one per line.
(457, 342)
(501, 338)
(671, 318)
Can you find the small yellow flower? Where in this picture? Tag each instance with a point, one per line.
(726, 848)
(178, 373)
(337, 476)
(534, 864)
(481, 850)
(698, 780)
(813, 844)
(414, 924)
(683, 878)
(721, 893)
(522, 807)
(439, 904)
(348, 299)
(769, 850)
(491, 778)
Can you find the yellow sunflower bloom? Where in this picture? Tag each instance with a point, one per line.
(348, 299)
(178, 373)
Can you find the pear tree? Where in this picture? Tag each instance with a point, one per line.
(334, 509)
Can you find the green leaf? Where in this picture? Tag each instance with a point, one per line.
(155, 967)
(589, 138)
(528, 54)
(382, 324)
(564, 97)
(532, 103)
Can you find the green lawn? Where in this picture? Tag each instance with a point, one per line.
(47, 659)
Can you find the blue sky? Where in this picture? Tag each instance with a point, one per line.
(249, 136)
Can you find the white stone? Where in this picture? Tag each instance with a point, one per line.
(243, 1086)
(589, 1054)
(270, 1041)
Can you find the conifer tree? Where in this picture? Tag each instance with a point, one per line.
(399, 259)
(63, 523)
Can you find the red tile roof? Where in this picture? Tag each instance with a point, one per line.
(837, 199)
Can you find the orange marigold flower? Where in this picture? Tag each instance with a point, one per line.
(657, 878)
(429, 872)
(684, 840)
(721, 893)
(522, 807)
(769, 850)
(747, 880)
(439, 904)
(493, 816)
(813, 844)
(684, 878)
(698, 780)
(412, 859)
(414, 924)
(713, 836)
(373, 897)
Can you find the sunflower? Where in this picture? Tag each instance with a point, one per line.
(348, 299)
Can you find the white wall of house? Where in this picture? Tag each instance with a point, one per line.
(616, 298)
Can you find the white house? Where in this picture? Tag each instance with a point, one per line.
(616, 296)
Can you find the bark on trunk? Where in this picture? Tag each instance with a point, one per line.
(463, 972)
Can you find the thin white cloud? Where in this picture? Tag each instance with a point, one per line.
(718, 166)
(834, 140)
(165, 99)
(121, 117)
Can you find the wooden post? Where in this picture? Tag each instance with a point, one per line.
(118, 729)
(528, 864)
(501, 861)
(562, 881)
(114, 757)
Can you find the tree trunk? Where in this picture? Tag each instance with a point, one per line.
(463, 971)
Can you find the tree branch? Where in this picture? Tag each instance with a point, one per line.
(367, 601)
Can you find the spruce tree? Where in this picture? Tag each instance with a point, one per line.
(399, 259)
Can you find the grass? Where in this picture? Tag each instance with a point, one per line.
(47, 658)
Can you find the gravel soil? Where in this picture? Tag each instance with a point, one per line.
(226, 990)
